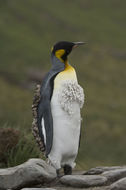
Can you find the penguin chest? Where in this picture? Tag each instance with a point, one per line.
(66, 102)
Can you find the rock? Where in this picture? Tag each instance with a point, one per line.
(37, 175)
(83, 180)
(114, 175)
(76, 188)
(34, 171)
(100, 170)
(77, 172)
(38, 189)
(119, 185)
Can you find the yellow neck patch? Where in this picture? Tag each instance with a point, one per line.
(68, 74)
(59, 53)
(68, 67)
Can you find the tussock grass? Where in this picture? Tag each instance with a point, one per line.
(25, 149)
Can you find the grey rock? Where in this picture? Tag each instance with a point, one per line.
(77, 188)
(34, 171)
(38, 189)
(100, 170)
(83, 180)
(78, 172)
(114, 175)
(119, 185)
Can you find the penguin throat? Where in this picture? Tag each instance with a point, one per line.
(68, 67)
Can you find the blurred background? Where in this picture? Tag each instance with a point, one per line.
(28, 29)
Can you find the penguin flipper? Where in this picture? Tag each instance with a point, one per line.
(48, 128)
(42, 126)
(44, 117)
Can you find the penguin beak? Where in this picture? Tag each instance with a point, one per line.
(76, 44)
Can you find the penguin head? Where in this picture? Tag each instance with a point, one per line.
(62, 49)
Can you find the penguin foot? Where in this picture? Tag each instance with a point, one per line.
(59, 174)
(67, 170)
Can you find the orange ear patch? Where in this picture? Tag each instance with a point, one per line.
(59, 53)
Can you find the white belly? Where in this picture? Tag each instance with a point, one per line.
(66, 131)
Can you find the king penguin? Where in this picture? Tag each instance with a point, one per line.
(56, 110)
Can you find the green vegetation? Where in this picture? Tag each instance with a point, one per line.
(24, 150)
(28, 29)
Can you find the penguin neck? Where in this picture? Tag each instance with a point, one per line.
(68, 74)
(68, 67)
(59, 62)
